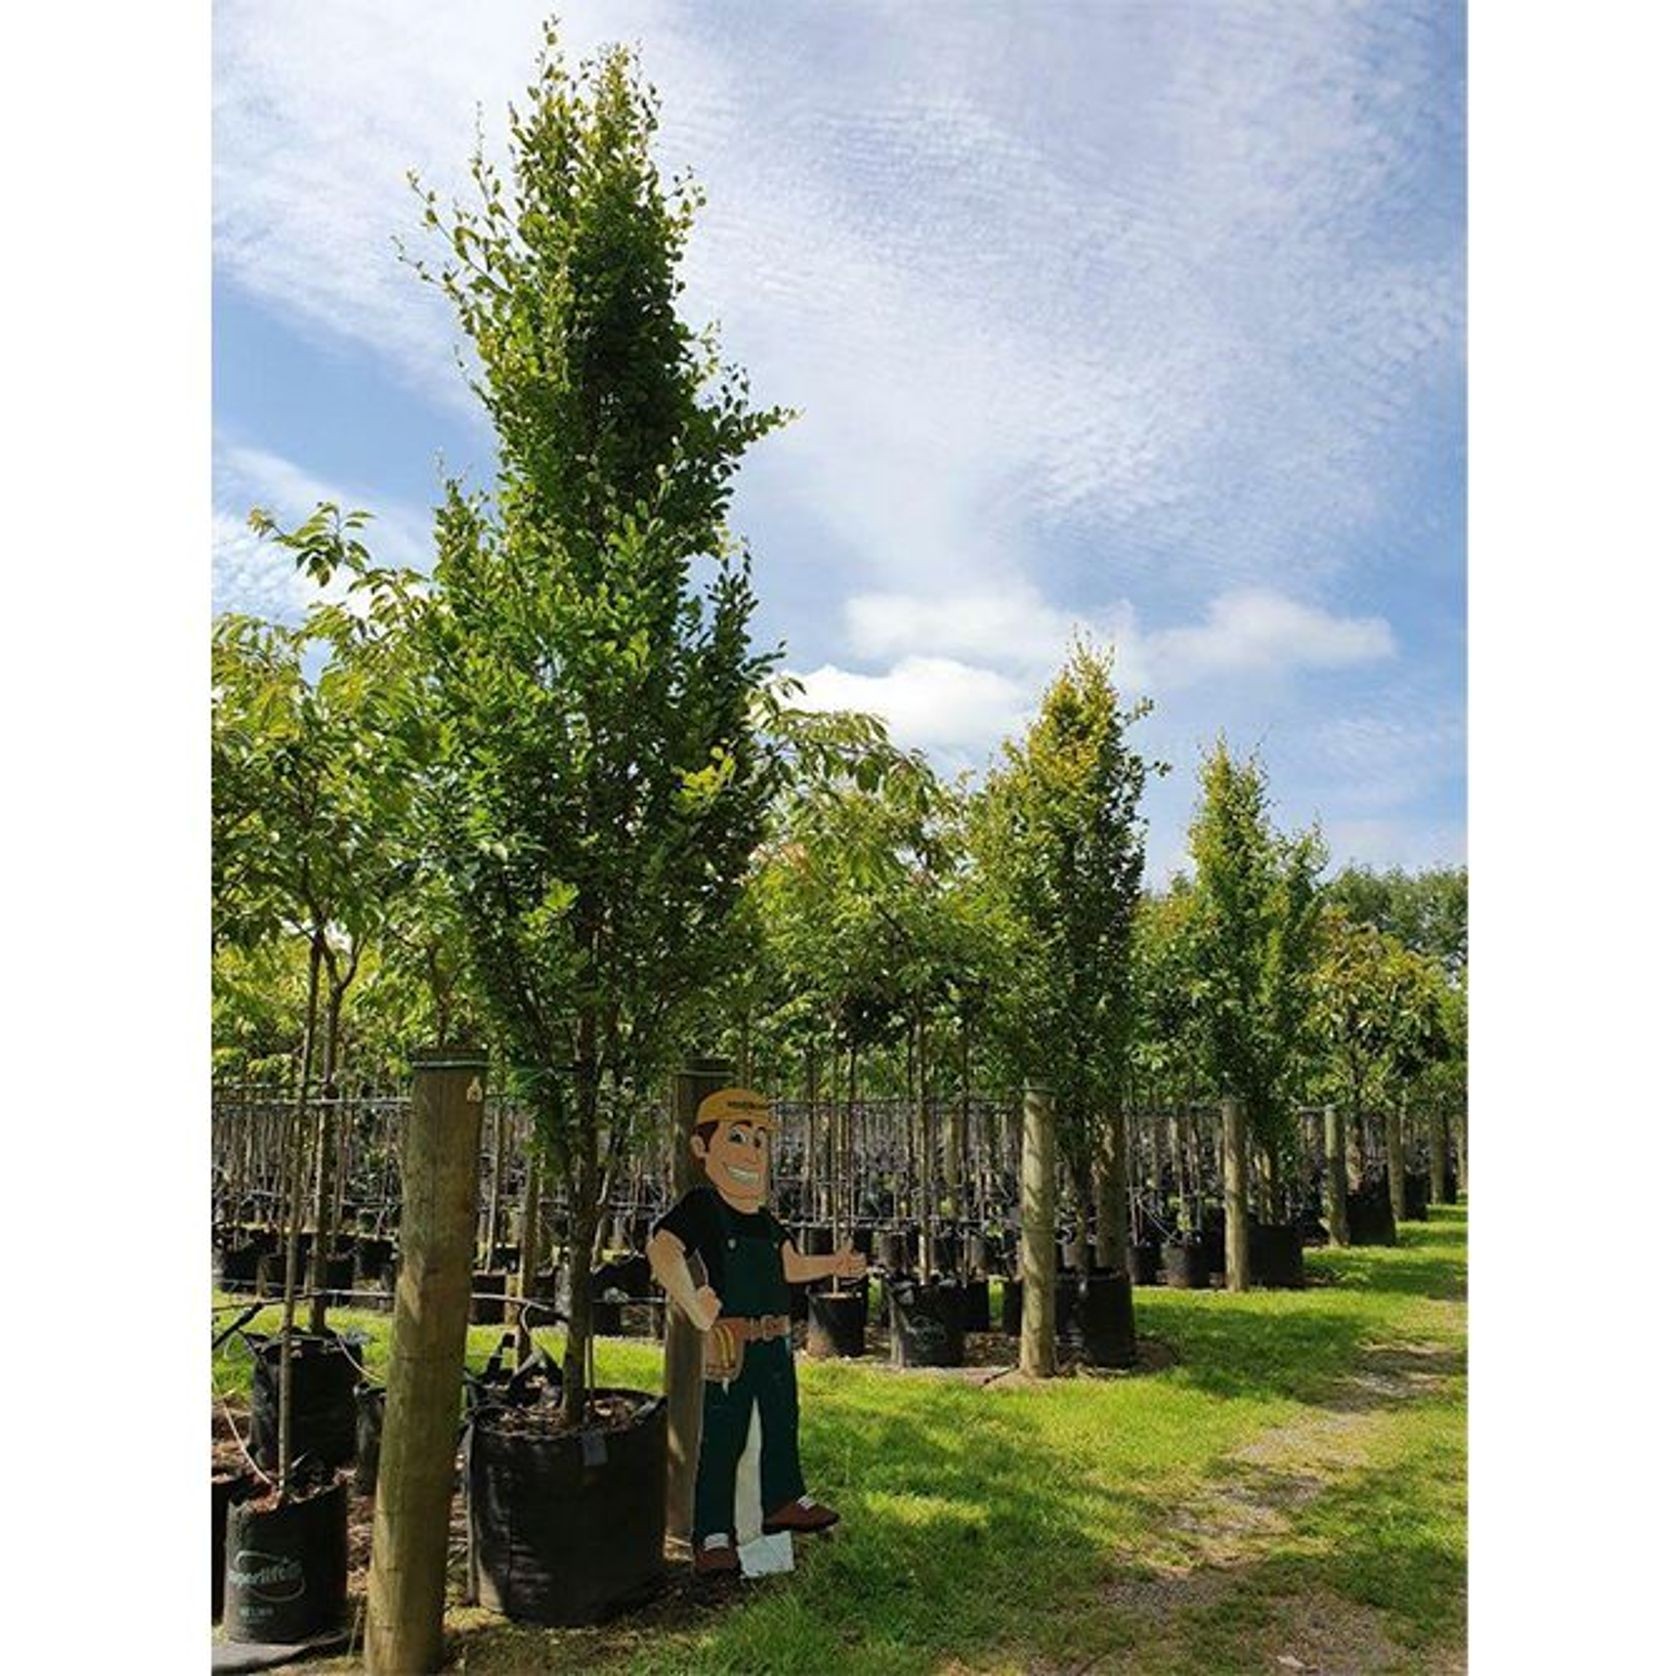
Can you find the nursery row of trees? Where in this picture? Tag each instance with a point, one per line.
(552, 796)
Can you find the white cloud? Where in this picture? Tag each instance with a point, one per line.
(1245, 632)
(934, 703)
(1255, 631)
(1165, 275)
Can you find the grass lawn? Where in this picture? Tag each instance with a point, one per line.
(1288, 1493)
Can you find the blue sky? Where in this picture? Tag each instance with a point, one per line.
(1147, 317)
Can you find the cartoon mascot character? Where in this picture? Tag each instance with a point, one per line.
(729, 1264)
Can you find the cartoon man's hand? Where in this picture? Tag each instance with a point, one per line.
(709, 1307)
(851, 1264)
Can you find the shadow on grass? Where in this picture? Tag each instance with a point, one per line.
(1251, 1346)
(1429, 1260)
(960, 1531)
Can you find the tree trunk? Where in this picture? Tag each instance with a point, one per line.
(1236, 1194)
(407, 1584)
(294, 1208)
(1036, 1226)
(585, 1213)
(1438, 1136)
(529, 1255)
(1394, 1159)
(927, 1154)
(497, 1175)
(683, 1345)
(1337, 1183)
(325, 1136)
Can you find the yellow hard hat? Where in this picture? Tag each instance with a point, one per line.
(735, 1105)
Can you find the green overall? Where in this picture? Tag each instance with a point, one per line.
(752, 1283)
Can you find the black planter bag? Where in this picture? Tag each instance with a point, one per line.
(565, 1530)
(1145, 1258)
(925, 1325)
(1105, 1320)
(974, 1295)
(1277, 1255)
(837, 1324)
(324, 1373)
(225, 1492)
(1186, 1266)
(288, 1569)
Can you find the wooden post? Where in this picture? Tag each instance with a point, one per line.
(683, 1347)
(405, 1591)
(1236, 1271)
(1395, 1162)
(1438, 1136)
(1036, 1229)
(1338, 1180)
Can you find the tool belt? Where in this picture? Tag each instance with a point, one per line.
(724, 1344)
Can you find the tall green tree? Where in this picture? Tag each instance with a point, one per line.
(595, 782)
(1256, 904)
(1059, 837)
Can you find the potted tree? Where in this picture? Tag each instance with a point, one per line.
(590, 781)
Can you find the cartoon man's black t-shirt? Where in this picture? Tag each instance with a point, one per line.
(703, 1221)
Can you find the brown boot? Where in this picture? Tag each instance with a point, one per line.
(802, 1515)
(722, 1561)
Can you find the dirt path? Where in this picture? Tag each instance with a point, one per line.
(1218, 1538)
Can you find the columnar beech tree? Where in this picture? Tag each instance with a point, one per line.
(1059, 838)
(1256, 903)
(595, 785)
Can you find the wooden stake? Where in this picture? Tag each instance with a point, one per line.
(405, 1591)
(1036, 1228)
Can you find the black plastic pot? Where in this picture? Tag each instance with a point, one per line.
(324, 1373)
(288, 1568)
(861, 1238)
(994, 1254)
(372, 1257)
(975, 1311)
(270, 1274)
(925, 1325)
(814, 1239)
(340, 1277)
(226, 1489)
(1213, 1232)
(1186, 1266)
(565, 1530)
(945, 1253)
(1416, 1195)
(1066, 1289)
(894, 1252)
(630, 1275)
(236, 1269)
(1104, 1320)
(369, 1436)
(837, 1324)
(1145, 1259)
(488, 1310)
(1368, 1211)
(1276, 1255)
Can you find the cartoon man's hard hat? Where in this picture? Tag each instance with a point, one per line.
(735, 1105)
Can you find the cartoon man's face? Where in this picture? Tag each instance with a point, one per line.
(736, 1161)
